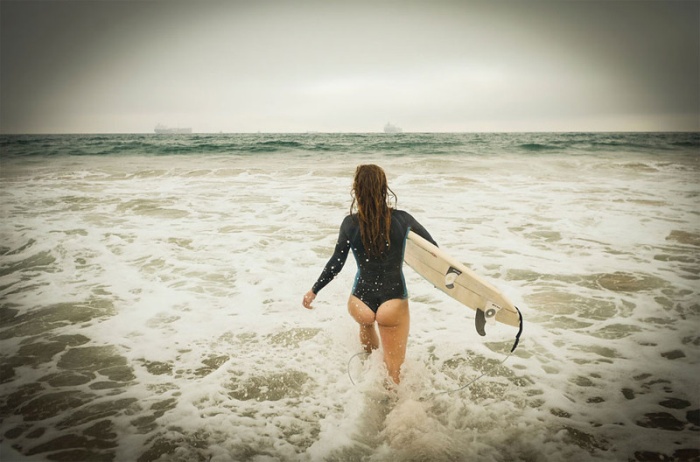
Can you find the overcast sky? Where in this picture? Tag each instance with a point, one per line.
(349, 66)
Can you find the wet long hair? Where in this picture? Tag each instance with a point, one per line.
(371, 194)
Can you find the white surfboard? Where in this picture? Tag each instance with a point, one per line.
(460, 283)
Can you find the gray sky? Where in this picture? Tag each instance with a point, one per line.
(349, 66)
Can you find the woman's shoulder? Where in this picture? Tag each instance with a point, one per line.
(400, 213)
(349, 224)
(402, 216)
(349, 220)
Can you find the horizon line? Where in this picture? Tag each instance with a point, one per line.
(346, 133)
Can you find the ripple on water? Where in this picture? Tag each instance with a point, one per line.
(271, 387)
(629, 282)
(152, 208)
(39, 261)
(79, 417)
(615, 331)
(684, 237)
(557, 302)
(293, 337)
(51, 317)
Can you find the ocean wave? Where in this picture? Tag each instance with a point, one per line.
(458, 144)
(538, 147)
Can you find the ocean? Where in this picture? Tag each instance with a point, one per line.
(151, 287)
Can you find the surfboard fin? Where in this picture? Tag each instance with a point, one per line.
(480, 321)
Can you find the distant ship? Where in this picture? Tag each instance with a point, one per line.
(388, 128)
(162, 129)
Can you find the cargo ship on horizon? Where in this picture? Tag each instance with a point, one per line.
(164, 130)
(389, 128)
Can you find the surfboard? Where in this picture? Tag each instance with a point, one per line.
(460, 283)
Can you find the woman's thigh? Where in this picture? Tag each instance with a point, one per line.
(360, 311)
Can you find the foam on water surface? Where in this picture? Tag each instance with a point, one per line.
(151, 308)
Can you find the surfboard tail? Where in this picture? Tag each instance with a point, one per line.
(480, 321)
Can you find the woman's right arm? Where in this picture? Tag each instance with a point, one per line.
(333, 266)
(308, 299)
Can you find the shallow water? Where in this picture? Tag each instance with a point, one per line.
(151, 303)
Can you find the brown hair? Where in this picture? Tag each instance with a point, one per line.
(370, 191)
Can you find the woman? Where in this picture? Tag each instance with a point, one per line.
(376, 234)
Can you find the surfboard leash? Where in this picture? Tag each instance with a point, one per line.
(471, 382)
(448, 392)
(350, 360)
(520, 329)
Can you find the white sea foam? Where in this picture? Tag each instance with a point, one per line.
(184, 276)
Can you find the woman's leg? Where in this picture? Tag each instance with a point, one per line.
(394, 323)
(365, 317)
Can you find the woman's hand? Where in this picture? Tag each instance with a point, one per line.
(308, 298)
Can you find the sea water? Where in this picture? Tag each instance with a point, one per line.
(151, 293)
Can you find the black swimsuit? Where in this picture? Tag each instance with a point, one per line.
(378, 279)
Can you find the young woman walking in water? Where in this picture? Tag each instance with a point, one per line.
(376, 234)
